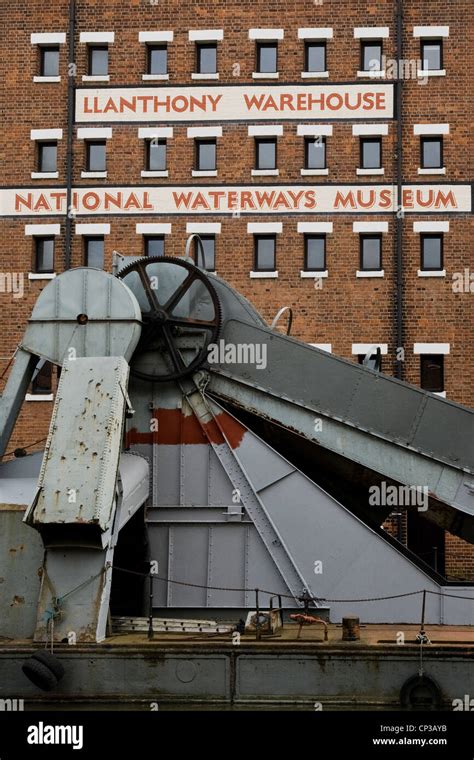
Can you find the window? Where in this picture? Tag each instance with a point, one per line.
(95, 156)
(371, 55)
(154, 245)
(157, 59)
(156, 155)
(315, 253)
(431, 152)
(370, 252)
(206, 57)
(47, 156)
(44, 254)
(49, 61)
(265, 153)
(94, 252)
(432, 372)
(315, 153)
(432, 54)
(267, 54)
(205, 155)
(315, 56)
(98, 60)
(431, 252)
(370, 152)
(209, 245)
(42, 382)
(374, 361)
(265, 253)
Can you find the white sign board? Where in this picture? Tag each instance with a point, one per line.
(234, 103)
(250, 199)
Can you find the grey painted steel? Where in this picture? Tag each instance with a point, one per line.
(79, 470)
(356, 562)
(360, 397)
(282, 674)
(287, 564)
(21, 555)
(390, 427)
(81, 576)
(13, 395)
(114, 317)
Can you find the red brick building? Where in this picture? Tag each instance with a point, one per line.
(321, 174)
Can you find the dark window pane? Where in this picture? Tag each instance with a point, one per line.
(432, 372)
(371, 252)
(315, 250)
(371, 56)
(94, 249)
(157, 59)
(205, 155)
(431, 153)
(49, 62)
(156, 155)
(47, 157)
(265, 154)
(209, 246)
(96, 156)
(265, 246)
(155, 246)
(42, 382)
(44, 255)
(431, 252)
(315, 154)
(371, 154)
(206, 58)
(267, 57)
(98, 61)
(431, 55)
(315, 56)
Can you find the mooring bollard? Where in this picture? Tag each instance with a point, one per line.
(350, 628)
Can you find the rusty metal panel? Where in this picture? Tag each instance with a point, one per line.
(81, 459)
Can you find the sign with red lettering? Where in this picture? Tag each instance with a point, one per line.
(253, 199)
(239, 103)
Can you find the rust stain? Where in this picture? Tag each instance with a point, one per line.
(176, 428)
(17, 600)
(16, 549)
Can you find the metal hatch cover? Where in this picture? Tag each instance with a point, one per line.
(87, 310)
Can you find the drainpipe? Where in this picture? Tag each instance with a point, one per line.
(399, 218)
(71, 73)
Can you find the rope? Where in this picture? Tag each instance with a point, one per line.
(287, 596)
(29, 446)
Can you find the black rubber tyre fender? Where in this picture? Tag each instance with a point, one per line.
(39, 674)
(420, 693)
(55, 666)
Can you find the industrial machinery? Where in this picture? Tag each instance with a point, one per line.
(190, 434)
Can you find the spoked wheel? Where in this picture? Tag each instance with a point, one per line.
(181, 316)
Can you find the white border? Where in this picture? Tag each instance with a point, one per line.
(48, 38)
(92, 229)
(431, 348)
(153, 228)
(42, 229)
(103, 37)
